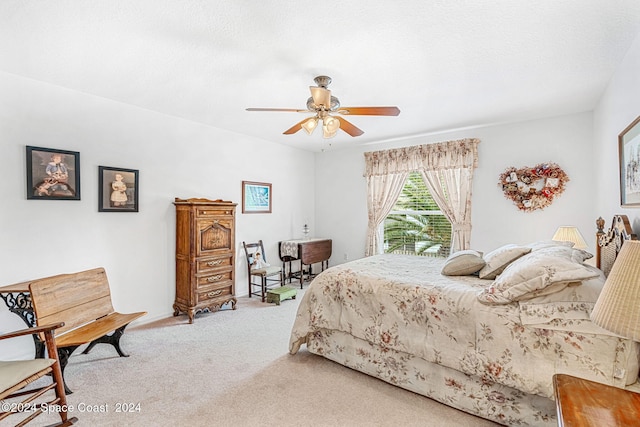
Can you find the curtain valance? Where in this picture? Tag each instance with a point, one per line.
(462, 153)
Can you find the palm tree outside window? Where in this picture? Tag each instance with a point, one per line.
(416, 225)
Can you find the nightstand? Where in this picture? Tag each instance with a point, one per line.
(584, 403)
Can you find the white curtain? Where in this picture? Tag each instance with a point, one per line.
(451, 190)
(447, 168)
(382, 193)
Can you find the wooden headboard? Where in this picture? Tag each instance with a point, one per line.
(609, 242)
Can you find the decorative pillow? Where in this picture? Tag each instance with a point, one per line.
(498, 259)
(565, 251)
(543, 244)
(586, 291)
(580, 255)
(536, 274)
(463, 263)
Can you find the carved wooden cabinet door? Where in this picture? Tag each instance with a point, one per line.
(214, 236)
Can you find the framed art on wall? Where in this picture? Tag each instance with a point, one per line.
(256, 197)
(117, 189)
(53, 174)
(629, 151)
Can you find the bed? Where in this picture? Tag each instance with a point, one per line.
(488, 346)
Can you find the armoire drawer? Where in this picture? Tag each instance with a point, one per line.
(214, 263)
(214, 278)
(204, 212)
(215, 292)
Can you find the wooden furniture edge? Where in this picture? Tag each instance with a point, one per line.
(609, 242)
(94, 330)
(583, 402)
(31, 331)
(203, 201)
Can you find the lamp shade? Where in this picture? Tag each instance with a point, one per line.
(569, 233)
(309, 125)
(618, 306)
(330, 126)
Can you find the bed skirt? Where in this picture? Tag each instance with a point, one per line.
(469, 393)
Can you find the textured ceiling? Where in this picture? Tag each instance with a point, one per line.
(445, 63)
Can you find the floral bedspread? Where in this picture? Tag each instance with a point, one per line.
(403, 304)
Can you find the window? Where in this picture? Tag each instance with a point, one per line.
(416, 225)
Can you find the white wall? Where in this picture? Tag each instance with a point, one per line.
(619, 106)
(175, 157)
(341, 189)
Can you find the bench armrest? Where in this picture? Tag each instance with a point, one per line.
(31, 331)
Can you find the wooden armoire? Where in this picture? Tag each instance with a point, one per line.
(205, 255)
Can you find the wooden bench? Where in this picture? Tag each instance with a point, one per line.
(83, 302)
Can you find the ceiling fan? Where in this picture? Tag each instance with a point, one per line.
(324, 106)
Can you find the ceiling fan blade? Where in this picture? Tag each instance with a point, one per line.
(348, 127)
(321, 96)
(294, 110)
(369, 111)
(295, 128)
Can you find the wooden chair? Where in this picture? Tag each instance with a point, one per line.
(16, 375)
(266, 274)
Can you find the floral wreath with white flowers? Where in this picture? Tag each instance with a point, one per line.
(533, 188)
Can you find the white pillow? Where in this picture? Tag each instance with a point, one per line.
(565, 251)
(543, 244)
(498, 259)
(463, 263)
(586, 291)
(536, 274)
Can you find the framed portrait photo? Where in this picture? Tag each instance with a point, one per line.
(256, 197)
(52, 174)
(117, 189)
(629, 152)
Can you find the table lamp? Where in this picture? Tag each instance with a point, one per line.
(569, 233)
(618, 306)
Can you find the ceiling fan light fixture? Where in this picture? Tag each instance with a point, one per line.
(330, 126)
(328, 135)
(310, 125)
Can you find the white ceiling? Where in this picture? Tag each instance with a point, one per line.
(446, 64)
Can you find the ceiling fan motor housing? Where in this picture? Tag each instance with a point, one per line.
(322, 81)
(335, 104)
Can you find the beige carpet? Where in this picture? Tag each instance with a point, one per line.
(233, 368)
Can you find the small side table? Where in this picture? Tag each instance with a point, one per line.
(584, 403)
(308, 251)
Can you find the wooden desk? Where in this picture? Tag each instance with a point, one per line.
(584, 403)
(308, 251)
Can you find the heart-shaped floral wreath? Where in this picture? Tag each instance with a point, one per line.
(533, 188)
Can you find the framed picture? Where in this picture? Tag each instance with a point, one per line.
(256, 197)
(629, 150)
(117, 189)
(52, 174)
